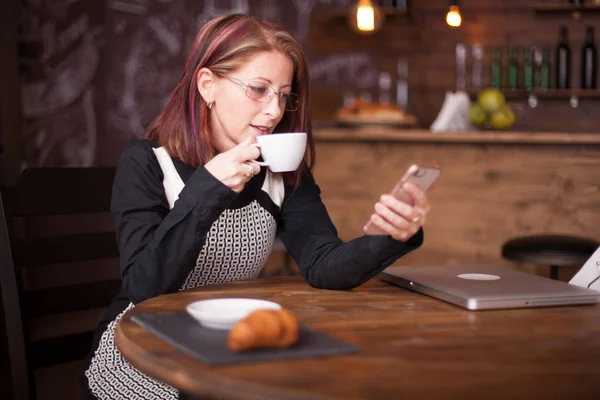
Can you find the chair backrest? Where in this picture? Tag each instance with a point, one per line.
(59, 266)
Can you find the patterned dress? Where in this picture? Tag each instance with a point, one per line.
(236, 248)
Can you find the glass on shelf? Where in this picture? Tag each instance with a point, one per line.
(477, 66)
(528, 70)
(544, 68)
(461, 66)
(496, 68)
(512, 81)
(385, 88)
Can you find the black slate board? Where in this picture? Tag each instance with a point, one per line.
(209, 346)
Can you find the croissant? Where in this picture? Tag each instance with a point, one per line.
(264, 329)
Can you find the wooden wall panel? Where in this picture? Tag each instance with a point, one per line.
(428, 44)
(486, 194)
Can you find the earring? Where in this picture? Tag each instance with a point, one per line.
(209, 104)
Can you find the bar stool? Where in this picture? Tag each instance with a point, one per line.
(550, 249)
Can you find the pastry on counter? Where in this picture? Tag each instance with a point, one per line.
(360, 111)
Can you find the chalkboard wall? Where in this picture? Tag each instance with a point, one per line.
(102, 70)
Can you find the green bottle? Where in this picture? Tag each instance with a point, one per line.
(513, 68)
(545, 69)
(528, 69)
(496, 69)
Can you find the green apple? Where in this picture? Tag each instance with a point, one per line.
(478, 115)
(491, 100)
(503, 119)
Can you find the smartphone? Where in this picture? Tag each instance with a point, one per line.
(422, 176)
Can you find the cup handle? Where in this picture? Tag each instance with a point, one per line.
(261, 163)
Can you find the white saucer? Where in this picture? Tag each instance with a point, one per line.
(225, 313)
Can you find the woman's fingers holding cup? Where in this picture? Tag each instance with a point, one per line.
(251, 169)
(247, 150)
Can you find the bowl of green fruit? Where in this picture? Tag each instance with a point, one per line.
(491, 111)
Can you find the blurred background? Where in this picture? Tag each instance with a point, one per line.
(83, 78)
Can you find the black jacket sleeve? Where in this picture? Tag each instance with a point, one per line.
(324, 260)
(159, 246)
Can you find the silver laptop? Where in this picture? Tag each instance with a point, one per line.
(485, 287)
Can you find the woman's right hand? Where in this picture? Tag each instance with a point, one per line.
(235, 167)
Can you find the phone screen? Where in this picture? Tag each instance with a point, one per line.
(422, 177)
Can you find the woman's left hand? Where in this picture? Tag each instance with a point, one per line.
(399, 219)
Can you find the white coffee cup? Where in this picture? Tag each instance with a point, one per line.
(282, 152)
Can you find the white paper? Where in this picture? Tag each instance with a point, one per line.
(589, 272)
(454, 114)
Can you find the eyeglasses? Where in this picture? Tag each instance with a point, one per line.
(263, 93)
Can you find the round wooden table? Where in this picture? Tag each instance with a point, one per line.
(411, 346)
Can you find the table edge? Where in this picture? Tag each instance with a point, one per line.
(225, 387)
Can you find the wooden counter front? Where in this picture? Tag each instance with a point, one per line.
(494, 186)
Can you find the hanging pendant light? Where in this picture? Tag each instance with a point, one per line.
(453, 17)
(366, 17)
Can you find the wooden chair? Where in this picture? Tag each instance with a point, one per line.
(59, 267)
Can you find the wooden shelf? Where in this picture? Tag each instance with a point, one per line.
(549, 94)
(565, 8)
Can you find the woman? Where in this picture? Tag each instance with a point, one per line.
(192, 207)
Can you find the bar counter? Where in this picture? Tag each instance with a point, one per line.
(494, 186)
(420, 135)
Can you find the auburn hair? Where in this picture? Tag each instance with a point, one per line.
(223, 45)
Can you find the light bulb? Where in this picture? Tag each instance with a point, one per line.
(366, 17)
(453, 17)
